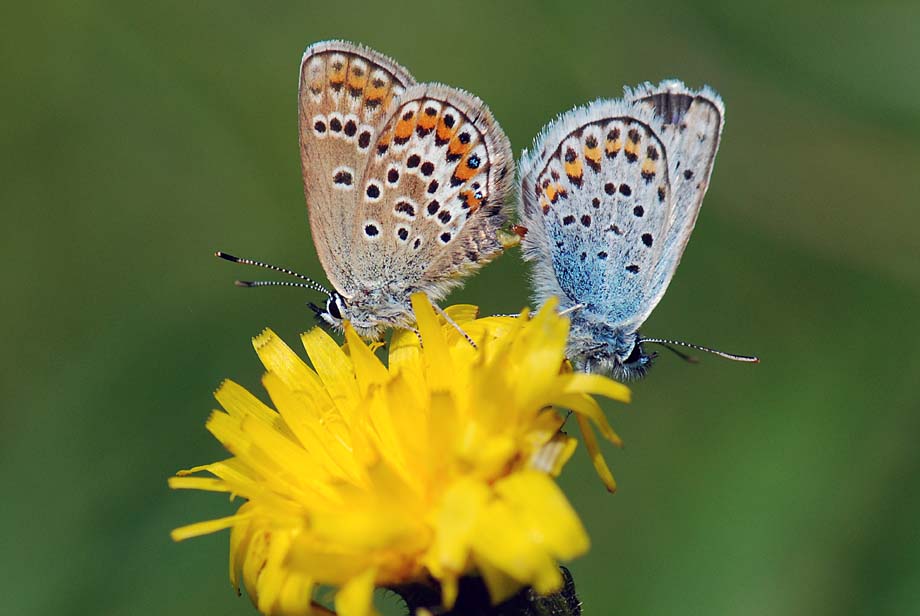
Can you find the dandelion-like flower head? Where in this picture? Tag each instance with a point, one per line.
(435, 465)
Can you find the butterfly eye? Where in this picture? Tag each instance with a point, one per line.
(334, 305)
(636, 355)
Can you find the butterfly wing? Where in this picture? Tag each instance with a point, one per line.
(431, 198)
(691, 127)
(607, 216)
(595, 195)
(344, 94)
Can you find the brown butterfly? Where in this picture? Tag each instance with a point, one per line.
(405, 185)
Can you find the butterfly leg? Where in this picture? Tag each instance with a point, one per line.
(454, 325)
(585, 369)
(561, 313)
(571, 309)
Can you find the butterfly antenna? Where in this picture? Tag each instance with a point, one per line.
(687, 358)
(272, 283)
(309, 284)
(669, 343)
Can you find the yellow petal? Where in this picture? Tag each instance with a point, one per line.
(540, 353)
(552, 456)
(502, 541)
(330, 564)
(597, 458)
(544, 511)
(208, 484)
(437, 451)
(205, 528)
(295, 595)
(368, 369)
(334, 369)
(456, 522)
(548, 580)
(254, 561)
(388, 438)
(462, 312)
(356, 597)
(293, 465)
(401, 423)
(449, 588)
(586, 405)
(500, 585)
(240, 403)
(405, 362)
(324, 435)
(266, 452)
(278, 357)
(273, 575)
(595, 384)
(368, 529)
(438, 361)
(545, 426)
(232, 471)
(404, 350)
(239, 543)
(489, 329)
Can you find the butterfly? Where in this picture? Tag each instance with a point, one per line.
(405, 185)
(610, 193)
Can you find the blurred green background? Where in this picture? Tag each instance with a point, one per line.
(139, 138)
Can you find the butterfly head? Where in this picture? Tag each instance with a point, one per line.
(599, 348)
(370, 315)
(623, 360)
(334, 311)
(623, 357)
(634, 365)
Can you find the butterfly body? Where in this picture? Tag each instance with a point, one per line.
(405, 183)
(610, 193)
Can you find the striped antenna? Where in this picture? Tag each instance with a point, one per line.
(668, 343)
(308, 284)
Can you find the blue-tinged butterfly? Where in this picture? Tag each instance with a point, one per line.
(405, 185)
(610, 193)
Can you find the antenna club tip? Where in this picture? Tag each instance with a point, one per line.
(224, 255)
(242, 283)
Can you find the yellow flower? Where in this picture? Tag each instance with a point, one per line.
(435, 465)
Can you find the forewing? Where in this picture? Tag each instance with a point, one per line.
(431, 197)
(691, 128)
(595, 199)
(345, 92)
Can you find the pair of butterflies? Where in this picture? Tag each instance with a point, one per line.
(406, 185)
